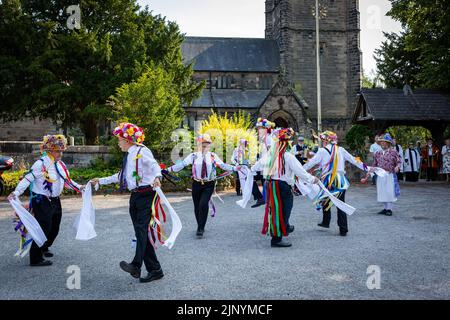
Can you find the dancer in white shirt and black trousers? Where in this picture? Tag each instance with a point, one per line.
(278, 167)
(331, 159)
(46, 179)
(204, 164)
(140, 174)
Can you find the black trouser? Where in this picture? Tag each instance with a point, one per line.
(140, 212)
(47, 212)
(341, 216)
(287, 201)
(431, 172)
(201, 194)
(301, 160)
(374, 179)
(411, 176)
(257, 195)
(238, 184)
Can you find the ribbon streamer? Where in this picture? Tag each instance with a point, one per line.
(247, 188)
(176, 222)
(30, 222)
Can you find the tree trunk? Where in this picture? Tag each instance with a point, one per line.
(90, 130)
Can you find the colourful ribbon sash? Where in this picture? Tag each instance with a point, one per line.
(175, 219)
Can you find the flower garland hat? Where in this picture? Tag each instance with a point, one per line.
(264, 123)
(57, 142)
(130, 132)
(329, 136)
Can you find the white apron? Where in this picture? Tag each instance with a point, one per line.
(385, 188)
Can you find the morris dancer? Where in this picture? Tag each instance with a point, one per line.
(141, 174)
(279, 167)
(331, 159)
(240, 157)
(388, 188)
(264, 128)
(47, 178)
(204, 164)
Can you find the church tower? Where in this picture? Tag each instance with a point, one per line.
(292, 24)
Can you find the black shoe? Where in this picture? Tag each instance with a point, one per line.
(151, 276)
(239, 194)
(388, 212)
(290, 229)
(343, 233)
(199, 233)
(281, 244)
(258, 203)
(131, 269)
(47, 254)
(42, 263)
(382, 211)
(323, 225)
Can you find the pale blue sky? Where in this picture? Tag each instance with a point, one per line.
(245, 18)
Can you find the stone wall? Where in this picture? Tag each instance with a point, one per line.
(26, 130)
(25, 153)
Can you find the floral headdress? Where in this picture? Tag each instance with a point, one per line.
(329, 136)
(57, 142)
(282, 144)
(285, 134)
(264, 123)
(130, 132)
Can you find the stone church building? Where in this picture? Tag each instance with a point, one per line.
(273, 77)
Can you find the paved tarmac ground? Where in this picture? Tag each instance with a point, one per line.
(234, 261)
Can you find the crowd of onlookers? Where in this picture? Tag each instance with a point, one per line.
(418, 161)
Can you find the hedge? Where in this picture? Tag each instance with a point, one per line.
(83, 175)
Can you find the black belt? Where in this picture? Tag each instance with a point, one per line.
(38, 195)
(142, 189)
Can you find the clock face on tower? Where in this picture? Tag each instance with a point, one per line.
(323, 10)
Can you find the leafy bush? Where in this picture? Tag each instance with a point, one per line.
(356, 139)
(226, 132)
(101, 169)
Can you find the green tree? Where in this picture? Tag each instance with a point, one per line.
(153, 102)
(407, 134)
(420, 55)
(67, 75)
(356, 139)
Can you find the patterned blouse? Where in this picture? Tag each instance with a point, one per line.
(387, 160)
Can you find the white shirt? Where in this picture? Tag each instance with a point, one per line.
(430, 150)
(292, 167)
(264, 145)
(36, 177)
(322, 158)
(400, 152)
(148, 169)
(375, 147)
(239, 156)
(196, 158)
